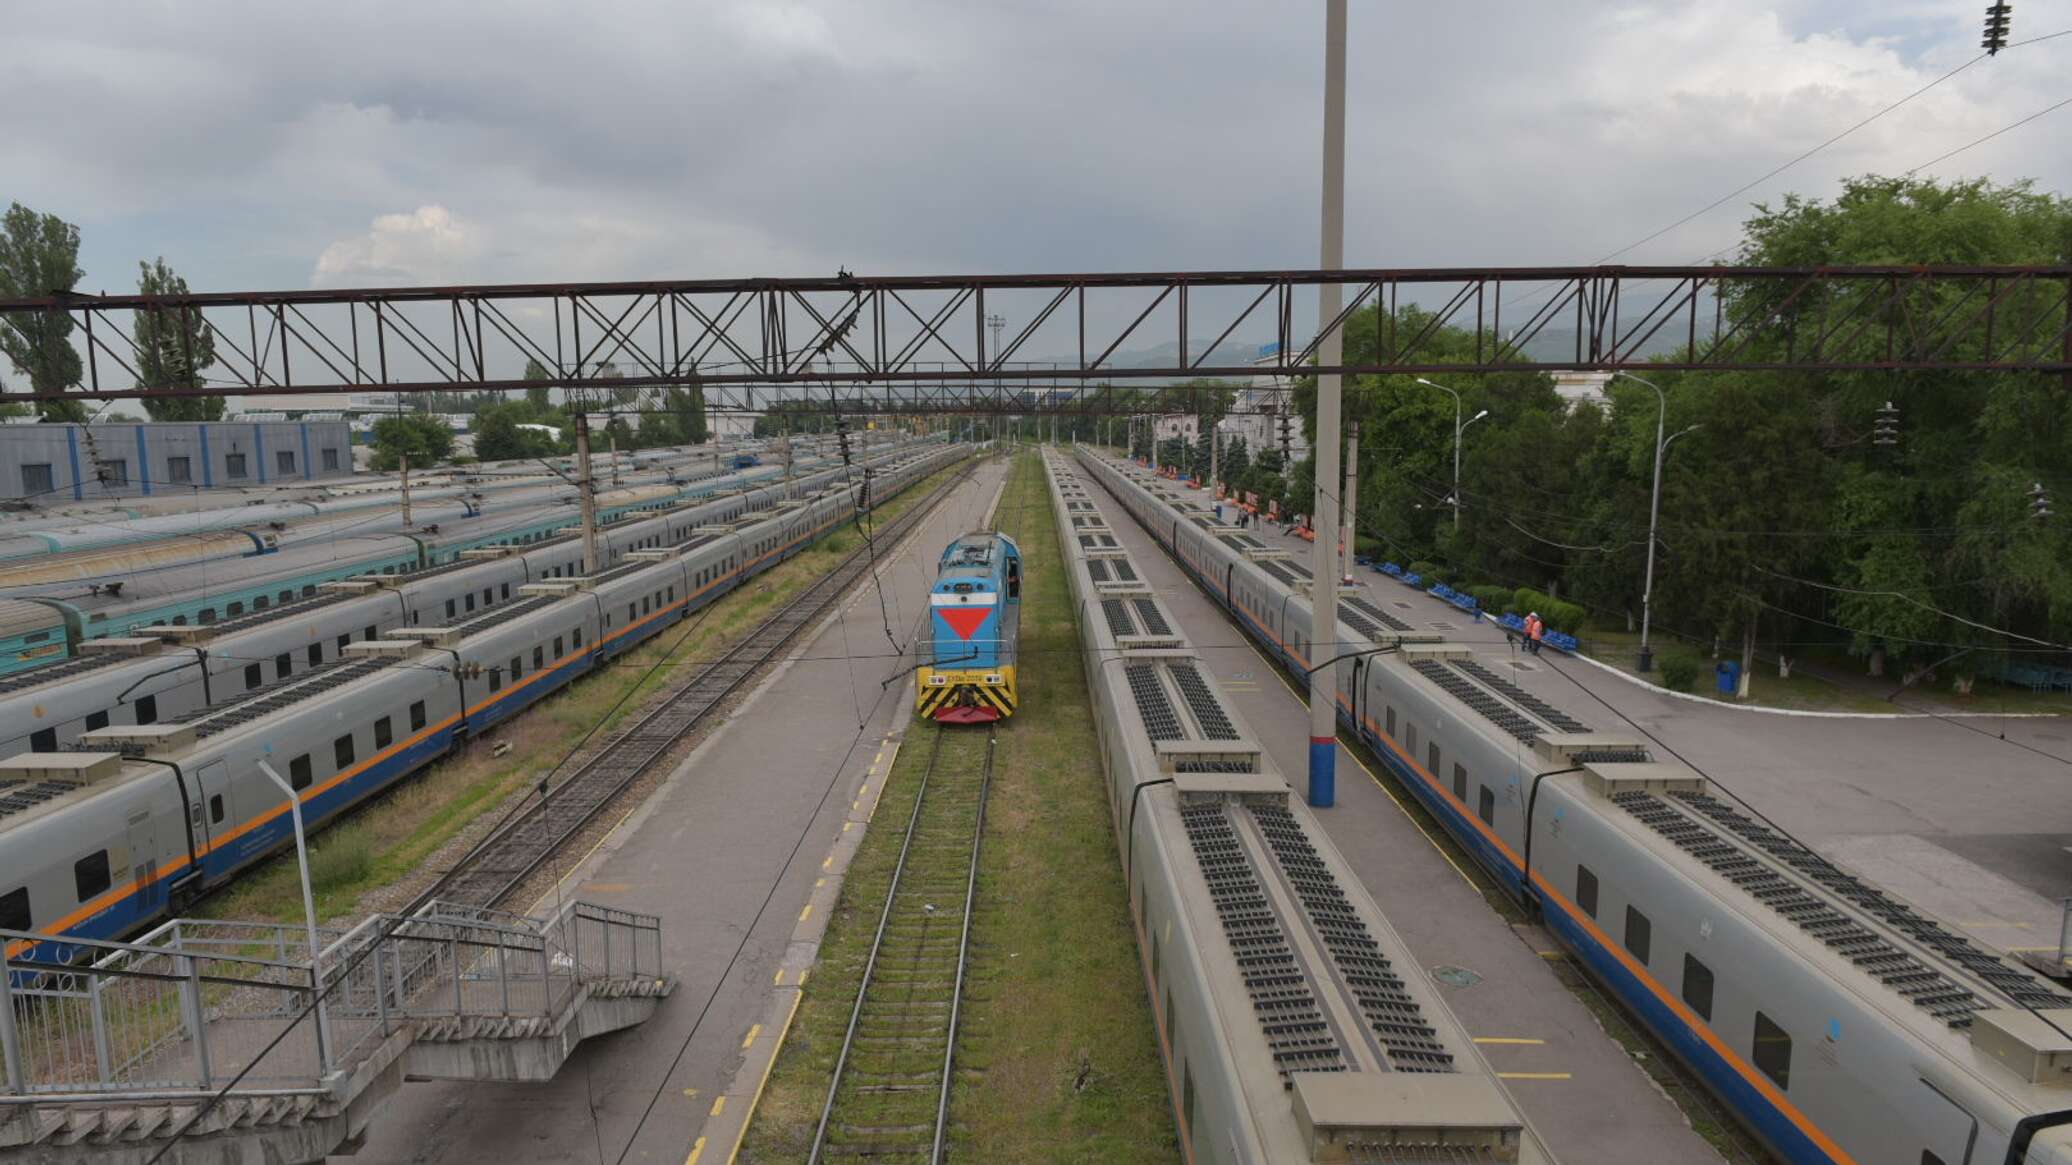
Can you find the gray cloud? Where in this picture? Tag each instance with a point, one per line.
(280, 145)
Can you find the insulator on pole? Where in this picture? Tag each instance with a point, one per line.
(1998, 17)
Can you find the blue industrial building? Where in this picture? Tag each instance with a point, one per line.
(60, 462)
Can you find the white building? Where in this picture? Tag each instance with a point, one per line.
(1260, 407)
(1577, 387)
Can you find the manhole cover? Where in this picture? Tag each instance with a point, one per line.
(1402, 604)
(1456, 976)
(1444, 627)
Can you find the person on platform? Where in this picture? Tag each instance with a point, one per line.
(1534, 628)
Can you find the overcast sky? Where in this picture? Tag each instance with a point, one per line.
(288, 145)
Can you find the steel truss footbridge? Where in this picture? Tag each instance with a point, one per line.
(1075, 343)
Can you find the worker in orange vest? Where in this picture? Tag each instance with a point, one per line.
(1534, 628)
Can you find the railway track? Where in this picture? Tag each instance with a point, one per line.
(520, 845)
(889, 1098)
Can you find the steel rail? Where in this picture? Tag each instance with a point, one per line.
(877, 951)
(516, 849)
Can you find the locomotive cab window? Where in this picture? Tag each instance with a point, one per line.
(342, 750)
(299, 774)
(1586, 890)
(417, 715)
(1485, 805)
(1772, 1050)
(1460, 780)
(383, 733)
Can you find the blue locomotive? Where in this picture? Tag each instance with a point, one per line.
(975, 612)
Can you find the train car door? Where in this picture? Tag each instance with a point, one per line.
(218, 815)
(1948, 1132)
(143, 861)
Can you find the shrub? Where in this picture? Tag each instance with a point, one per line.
(1680, 669)
(1560, 616)
(1493, 599)
(340, 857)
(1421, 567)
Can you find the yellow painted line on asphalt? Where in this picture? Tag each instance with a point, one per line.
(1533, 1076)
(1551, 956)
(847, 826)
(608, 887)
(819, 882)
(779, 980)
(757, 1099)
(697, 1151)
(718, 1103)
(754, 1030)
(828, 862)
(804, 912)
(1508, 1040)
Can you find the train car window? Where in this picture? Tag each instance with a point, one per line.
(208, 614)
(486, 600)
(672, 592)
(282, 665)
(1697, 987)
(557, 647)
(517, 672)
(1391, 723)
(45, 740)
(579, 638)
(539, 658)
(470, 597)
(316, 654)
(383, 733)
(507, 590)
(1432, 759)
(179, 620)
(1460, 780)
(342, 750)
(1485, 805)
(629, 613)
(1410, 738)
(216, 809)
(261, 602)
(299, 774)
(342, 641)
(1772, 1050)
(253, 676)
(643, 604)
(449, 608)
(287, 596)
(234, 609)
(496, 677)
(309, 590)
(90, 875)
(1187, 1096)
(14, 909)
(96, 720)
(1154, 954)
(147, 709)
(1638, 933)
(373, 632)
(417, 715)
(1586, 890)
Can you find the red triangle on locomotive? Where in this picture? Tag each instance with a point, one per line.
(964, 620)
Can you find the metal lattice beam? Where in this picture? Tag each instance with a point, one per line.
(921, 344)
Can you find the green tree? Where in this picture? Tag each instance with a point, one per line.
(539, 398)
(39, 254)
(173, 346)
(498, 436)
(425, 438)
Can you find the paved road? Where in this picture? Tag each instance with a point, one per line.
(1579, 1087)
(1941, 810)
(727, 852)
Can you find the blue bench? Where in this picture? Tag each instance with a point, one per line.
(1390, 569)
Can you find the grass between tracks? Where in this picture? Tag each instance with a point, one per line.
(1057, 1060)
(358, 858)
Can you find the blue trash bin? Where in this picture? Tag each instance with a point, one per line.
(1729, 675)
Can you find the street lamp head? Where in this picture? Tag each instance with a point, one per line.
(1478, 416)
(1423, 381)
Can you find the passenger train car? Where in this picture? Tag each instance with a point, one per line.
(975, 618)
(220, 573)
(1294, 1023)
(1839, 1023)
(163, 670)
(141, 818)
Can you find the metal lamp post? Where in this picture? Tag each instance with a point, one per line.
(1459, 427)
(1647, 586)
(309, 902)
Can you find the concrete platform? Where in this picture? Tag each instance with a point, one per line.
(1583, 1092)
(736, 852)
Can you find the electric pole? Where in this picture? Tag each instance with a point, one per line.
(585, 496)
(1323, 678)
